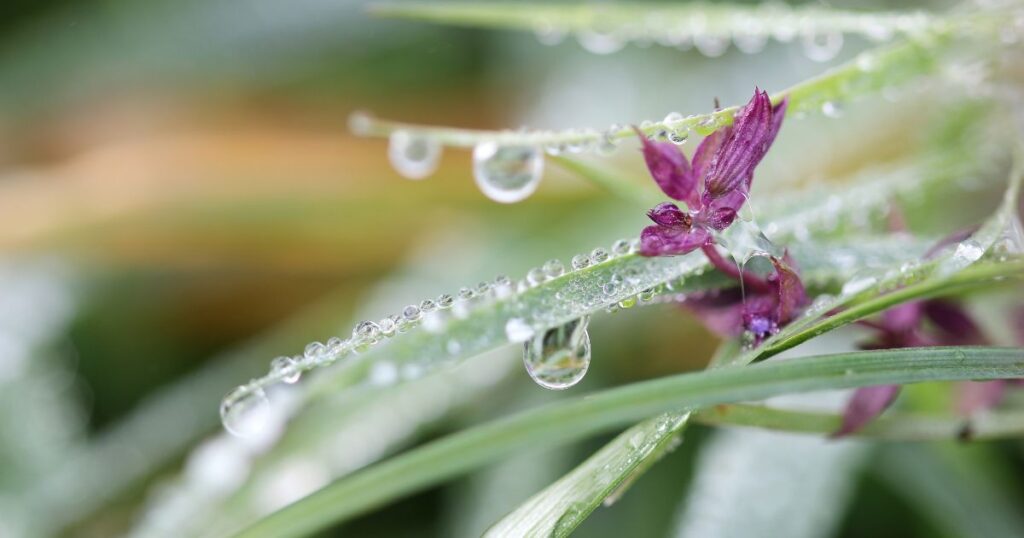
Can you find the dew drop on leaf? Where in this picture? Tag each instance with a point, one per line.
(246, 412)
(286, 368)
(415, 156)
(507, 174)
(559, 358)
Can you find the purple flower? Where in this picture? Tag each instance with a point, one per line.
(770, 302)
(905, 326)
(717, 183)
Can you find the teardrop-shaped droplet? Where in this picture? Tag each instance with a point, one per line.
(415, 156)
(246, 412)
(559, 358)
(507, 174)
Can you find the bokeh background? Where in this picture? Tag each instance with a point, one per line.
(181, 201)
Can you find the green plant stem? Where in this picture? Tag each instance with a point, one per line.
(579, 417)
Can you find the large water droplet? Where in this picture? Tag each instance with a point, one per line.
(559, 358)
(967, 252)
(415, 156)
(246, 412)
(507, 174)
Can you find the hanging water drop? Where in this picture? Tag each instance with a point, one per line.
(559, 358)
(286, 368)
(415, 156)
(507, 174)
(246, 412)
(822, 46)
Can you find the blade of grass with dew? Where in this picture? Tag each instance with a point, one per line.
(890, 67)
(583, 416)
(562, 506)
(662, 22)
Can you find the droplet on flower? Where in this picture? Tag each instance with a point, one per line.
(822, 46)
(245, 412)
(286, 368)
(516, 330)
(559, 358)
(507, 174)
(415, 156)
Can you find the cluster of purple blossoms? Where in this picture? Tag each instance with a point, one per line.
(714, 187)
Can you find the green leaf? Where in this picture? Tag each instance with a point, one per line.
(579, 417)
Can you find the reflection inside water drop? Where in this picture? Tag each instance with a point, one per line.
(507, 174)
(559, 358)
(415, 156)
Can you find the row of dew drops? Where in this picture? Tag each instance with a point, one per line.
(556, 359)
(509, 172)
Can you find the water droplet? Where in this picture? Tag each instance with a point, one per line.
(600, 42)
(286, 368)
(366, 331)
(559, 358)
(445, 301)
(516, 330)
(620, 247)
(611, 288)
(832, 109)
(580, 261)
(502, 287)
(672, 118)
(427, 306)
(483, 289)
(628, 302)
(507, 174)
(415, 156)
(360, 122)
(387, 326)
(822, 46)
(678, 136)
(967, 252)
(314, 350)
(535, 276)
(411, 313)
(554, 268)
(706, 126)
(245, 412)
(598, 255)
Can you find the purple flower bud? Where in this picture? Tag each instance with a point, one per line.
(866, 404)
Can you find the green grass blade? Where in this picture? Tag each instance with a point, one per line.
(583, 416)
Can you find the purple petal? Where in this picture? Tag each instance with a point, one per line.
(978, 396)
(904, 317)
(790, 292)
(707, 149)
(754, 129)
(719, 212)
(668, 214)
(953, 323)
(866, 404)
(670, 170)
(671, 240)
